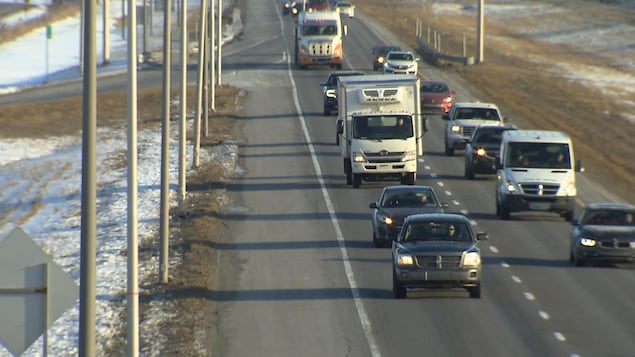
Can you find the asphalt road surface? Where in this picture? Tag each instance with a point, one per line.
(301, 276)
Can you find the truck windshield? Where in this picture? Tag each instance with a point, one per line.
(382, 127)
(321, 29)
(538, 155)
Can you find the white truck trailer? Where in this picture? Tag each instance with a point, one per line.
(380, 127)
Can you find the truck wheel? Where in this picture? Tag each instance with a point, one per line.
(475, 292)
(327, 110)
(469, 174)
(409, 178)
(568, 216)
(504, 212)
(357, 180)
(448, 151)
(398, 290)
(337, 139)
(349, 179)
(376, 242)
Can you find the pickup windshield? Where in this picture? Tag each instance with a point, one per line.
(538, 155)
(380, 127)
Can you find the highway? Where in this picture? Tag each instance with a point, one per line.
(300, 276)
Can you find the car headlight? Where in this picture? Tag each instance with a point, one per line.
(380, 59)
(472, 259)
(358, 157)
(330, 93)
(409, 156)
(509, 186)
(481, 152)
(385, 219)
(587, 242)
(455, 128)
(405, 259)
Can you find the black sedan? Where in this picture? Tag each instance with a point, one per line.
(603, 233)
(396, 203)
(481, 150)
(329, 89)
(437, 251)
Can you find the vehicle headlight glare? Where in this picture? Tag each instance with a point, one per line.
(383, 218)
(405, 259)
(481, 152)
(358, 157)
(587, 242)
(447, 99)
(510, 187)
(380, 60)
(455, 128)
(409, 156)
(568, 188)
(330, 93)
(472, 259)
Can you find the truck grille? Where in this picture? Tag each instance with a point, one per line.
(539, 189)
(438, 261)
(320, 49)
(467, 130)
(382, 157)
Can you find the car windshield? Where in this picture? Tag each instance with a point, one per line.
(488, 136)
(477, 113)
(609, 217)
(400, 56)
(436, 231)
(434, 88)
(381, 127)
(409, 199)
(538, 155)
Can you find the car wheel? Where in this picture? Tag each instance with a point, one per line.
(349, 179)
(448, 151)
(469, 174)
(498, 208)
(337, 139)
(568, 216)
(398, 290)
(326, 111)
(357, 180)
(475, 292)
(504, 212)
(577, 261)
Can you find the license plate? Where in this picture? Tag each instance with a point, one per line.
(539, 206)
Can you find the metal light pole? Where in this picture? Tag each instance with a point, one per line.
(220, 40)
(164, 212)
(106, 27)
(183, 108)
(480, 29)
(88, 248)
(199, 85)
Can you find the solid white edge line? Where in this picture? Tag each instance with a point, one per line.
(361, 311)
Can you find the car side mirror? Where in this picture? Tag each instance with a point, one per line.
(340, 126)
(373, 205)
(481, 236)
(322, 84)
(444, 205)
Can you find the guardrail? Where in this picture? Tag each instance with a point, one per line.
(430, 47)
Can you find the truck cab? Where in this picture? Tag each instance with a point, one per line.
(318, 39)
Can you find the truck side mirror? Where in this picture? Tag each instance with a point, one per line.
(340, 126)
(578, 166)
(497, 163)
(345, 30)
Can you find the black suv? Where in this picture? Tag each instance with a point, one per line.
(482, 148)
(380, 55)
(329, 89)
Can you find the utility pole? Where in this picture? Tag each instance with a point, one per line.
(164, 211)
(183, 108)
(199, 85)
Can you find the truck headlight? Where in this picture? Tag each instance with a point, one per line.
(330, 93)
(358, 157)
(568, 188)
(509, 186)
(472, 259)
(455, 128)
(405, 259)
(409, 156)
(587, 242)
(337, 51)
(303, 50)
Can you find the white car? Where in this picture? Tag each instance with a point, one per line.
(401, 62)
(463, 119)
(345, 8)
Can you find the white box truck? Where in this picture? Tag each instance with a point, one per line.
(380, 127)
(318, 39)
(536, 172)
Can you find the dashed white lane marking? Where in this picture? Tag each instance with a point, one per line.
(448, 193)
(504, 265)
(529, 296)
(543, 314)
(493, 249)
(427, 167)
(433, 175)
(441, 184)
(516, 279)
(560, 337)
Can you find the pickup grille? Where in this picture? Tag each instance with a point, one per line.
(467, 130)
(438, 261)
(539, 189)
(320, 49)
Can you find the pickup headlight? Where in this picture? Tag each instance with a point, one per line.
(472, 259)
(385, 219)
(330, 93)
(568, 188)
(409, 156)
(509, 186)
(405, 259)
(481, 152)
(587, 242)
(358, 157)
(455, 128)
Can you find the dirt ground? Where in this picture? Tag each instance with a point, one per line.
(522, 88)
